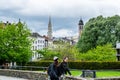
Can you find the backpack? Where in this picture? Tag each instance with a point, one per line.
(50, 71)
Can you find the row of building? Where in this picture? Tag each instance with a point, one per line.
(40, 42)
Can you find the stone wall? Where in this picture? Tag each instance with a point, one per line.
(31, 75)
(34, 75)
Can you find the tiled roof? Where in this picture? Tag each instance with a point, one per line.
(36, 35)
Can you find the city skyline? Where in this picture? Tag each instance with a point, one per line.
(65, 14)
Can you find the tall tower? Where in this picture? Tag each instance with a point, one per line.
(49, 33)
(80, 24)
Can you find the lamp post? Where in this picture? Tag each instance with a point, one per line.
(118, 51)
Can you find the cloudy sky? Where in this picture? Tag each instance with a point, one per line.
(65, 14)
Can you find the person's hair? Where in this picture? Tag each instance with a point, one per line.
(56, 62)
(65, 58)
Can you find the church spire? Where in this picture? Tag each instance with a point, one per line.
(19, 20)
(49, 29)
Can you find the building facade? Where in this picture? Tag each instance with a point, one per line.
(38, 44)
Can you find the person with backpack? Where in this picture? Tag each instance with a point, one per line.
(52, 69)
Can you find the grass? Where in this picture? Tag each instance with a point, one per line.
(108, 73)
(76, 72)
(100, 73)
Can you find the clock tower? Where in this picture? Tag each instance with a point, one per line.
(80, 25)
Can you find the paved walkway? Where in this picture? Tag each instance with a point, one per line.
(10, 78)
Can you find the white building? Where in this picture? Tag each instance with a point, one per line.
(38, 44)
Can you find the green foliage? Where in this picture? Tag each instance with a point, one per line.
(15, 44)
(61, 50)
(94, 65)
(99, 31)
(117, 33)
(39, 63)
(47, 54)
(67, 50)
(81, 64)
(100, 53)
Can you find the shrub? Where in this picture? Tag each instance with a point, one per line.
(94, 65)
(81, 64)
(100, 53)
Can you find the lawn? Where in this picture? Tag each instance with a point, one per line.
(100, 73)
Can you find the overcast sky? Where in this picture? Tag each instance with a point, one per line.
(65, 14)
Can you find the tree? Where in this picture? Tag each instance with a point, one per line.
(61, 50)
(67, 50)
(100, 53)
(15, 44)
(99, 31)
(117, 32)
(47, 54)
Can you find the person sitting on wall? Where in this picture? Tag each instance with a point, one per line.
(52, 69)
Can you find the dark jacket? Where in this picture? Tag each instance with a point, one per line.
(52, 70)
(64, 68)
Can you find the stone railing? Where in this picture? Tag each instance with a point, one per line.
(35, 75)
(31, 75)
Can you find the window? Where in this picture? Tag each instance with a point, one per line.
(32, 47)
(35, 47)
(35, 42)
(38, 41)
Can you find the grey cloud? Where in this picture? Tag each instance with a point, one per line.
(68, 8)
(61, 8)
(65, 13)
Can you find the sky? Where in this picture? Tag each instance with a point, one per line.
(65, 14)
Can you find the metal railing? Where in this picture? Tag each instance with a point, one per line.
(31, 68)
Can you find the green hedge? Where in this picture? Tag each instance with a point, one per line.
(81, 65)
(40, 63)
(94, 65)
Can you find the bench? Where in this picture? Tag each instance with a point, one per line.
(89, 73)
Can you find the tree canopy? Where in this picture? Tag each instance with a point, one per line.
(15, 44)
(99, 31)
(61, 50)
(100, 53)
